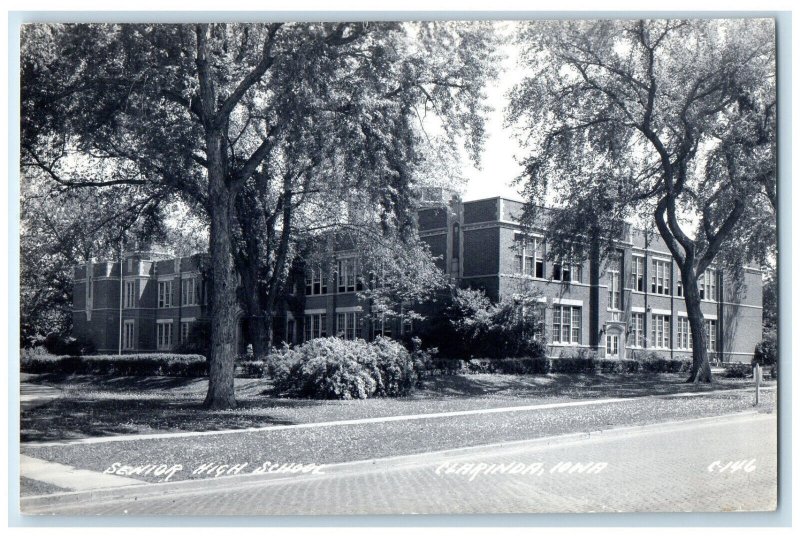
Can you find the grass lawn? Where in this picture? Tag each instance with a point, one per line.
(91, 406)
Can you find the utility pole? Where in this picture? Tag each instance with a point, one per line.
(120, 297)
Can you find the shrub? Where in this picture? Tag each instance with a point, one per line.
(251, 369)
(524, 365)
(58, 344)
(582, 362)
(655, 363)
(766, 352)
(447, 366)
(738, 370)
(332, 368)
(152, 364)
(199, 340)
(473, 326)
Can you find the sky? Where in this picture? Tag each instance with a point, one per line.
(498, 162)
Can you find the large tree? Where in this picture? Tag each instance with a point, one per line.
(60, 228)
(200, 110)
(666, 122)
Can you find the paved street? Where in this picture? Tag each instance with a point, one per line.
(714, 464)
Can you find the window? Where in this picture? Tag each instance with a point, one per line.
(130, 265)
(615, 284)
(567, 324)
(348, 325)
(165, 294)
(659, 281)
(707, 285)
(567, 272)
(660, 332)
(383, 327)
(164, 334)
(128, 341)
(190, 291)
(316, 283)
(528, 259)
(637, 273)
(347, 275)
(130, 294)
(637, 329)
(612, 346)
(185, 327)
(679, 288)
(711, 334)
(316, 326)
(684, 334)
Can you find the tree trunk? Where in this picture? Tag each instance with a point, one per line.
(701, 370)
(256, 327)
(223, 283)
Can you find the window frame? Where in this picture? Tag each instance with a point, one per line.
(165, 294)
(560, 326)
(664, 277)
(637, 329)
(128, 334)
(638, 277)
(164, 336)
(660, 331)
(130, 293)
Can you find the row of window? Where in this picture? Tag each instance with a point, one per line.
(529, 260)
(566, 329)
(660, 278)
(348, 278)
(190, 293)
(348, 326)
(660, 331)
(163, 334)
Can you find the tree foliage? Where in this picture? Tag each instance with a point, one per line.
(273, 115)
(665, 122)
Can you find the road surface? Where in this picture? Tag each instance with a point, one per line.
(713, 464)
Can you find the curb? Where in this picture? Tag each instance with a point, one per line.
(40, 503)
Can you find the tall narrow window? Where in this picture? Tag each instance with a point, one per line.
(185, 327)
(637, 273)
(684, 335)
(660, 279)
(165, 294)
(127, 334)
(660, 331)
(130, 294)
(347, 269)
(190, 291)
(707, 285)
(164, 335)
(612, 346)
(711, 334)
(637, 329)
(614, 295)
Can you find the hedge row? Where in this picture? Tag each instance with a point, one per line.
(150, 364)
(561, 365)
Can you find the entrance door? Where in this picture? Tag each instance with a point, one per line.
(612, 346)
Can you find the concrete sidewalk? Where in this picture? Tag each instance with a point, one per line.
(34, 394)
(660, 467)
